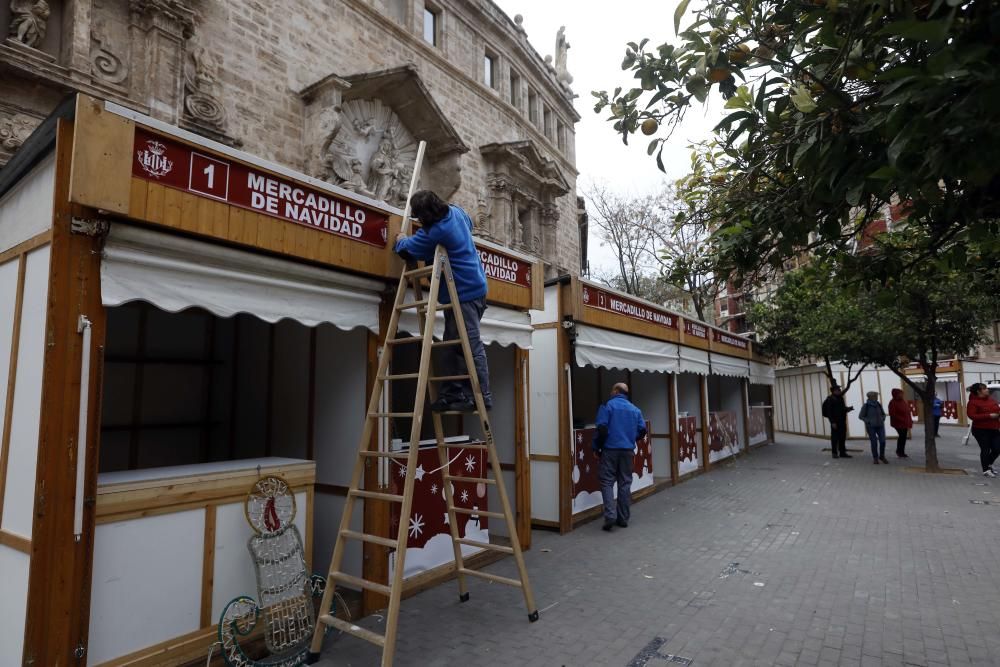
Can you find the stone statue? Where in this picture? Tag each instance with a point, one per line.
(400, 188)
(328, 124)
(28, 21)
(382, 171)
(562, 49)
(355, 180)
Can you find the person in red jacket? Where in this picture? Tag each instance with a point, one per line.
(985, 415)
(901, 419)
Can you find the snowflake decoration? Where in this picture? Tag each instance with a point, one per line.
(434, 489)
(416, 525)
(581, 454)
(465, 496)
(402, 471)
(470, 463)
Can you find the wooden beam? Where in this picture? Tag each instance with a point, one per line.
(675, 442)
(14, 541)
(11, 377)
(703, 401)
(208, 567)
(24, 247)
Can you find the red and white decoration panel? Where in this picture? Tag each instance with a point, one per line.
(687, 449)
(586, 468)
(429, 542)
(723, 435)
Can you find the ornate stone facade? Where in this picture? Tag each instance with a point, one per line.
(343, 91)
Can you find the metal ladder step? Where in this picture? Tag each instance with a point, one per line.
(367, 537)
(490, 577)
(375, 495)
(351, 629)
(359, 582)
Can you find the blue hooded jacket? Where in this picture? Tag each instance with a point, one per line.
(454, 232)
(623, 422)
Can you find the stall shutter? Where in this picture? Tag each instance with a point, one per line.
(175, 273)
(761, 373)
(503, 326)
(693, 360)
(613, 349)
(725, 365)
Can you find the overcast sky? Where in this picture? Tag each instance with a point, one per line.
(597, 32)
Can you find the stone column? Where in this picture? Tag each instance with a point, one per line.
(76, 28)
(158, 30)
(503, 215)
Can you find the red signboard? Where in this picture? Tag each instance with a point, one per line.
(176, 165)
(730, 339)
(594, 297)
(696, 329)
(506, 268)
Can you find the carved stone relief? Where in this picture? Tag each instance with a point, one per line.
(15, 127)
(369, 152)
(203, 110)
(29, 21)
(106, 65)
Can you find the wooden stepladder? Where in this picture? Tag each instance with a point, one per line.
(426, 308)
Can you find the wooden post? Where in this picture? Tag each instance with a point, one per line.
(522, 469)
(675, 442)
(703, 396)
(745, 394)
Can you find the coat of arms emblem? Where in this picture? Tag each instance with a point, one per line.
(153, 159)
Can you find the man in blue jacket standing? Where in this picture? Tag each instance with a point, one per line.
(451, 227)
(619, 425)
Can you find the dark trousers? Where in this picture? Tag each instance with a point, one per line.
(937, 425)
(616, 466)
(989, 445)
(876, 435)
(838, 437)
(901, 434)
(455, 391)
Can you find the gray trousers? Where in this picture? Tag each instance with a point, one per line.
(453, 358)
(616, 466)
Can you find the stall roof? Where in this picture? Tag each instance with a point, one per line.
(174, 273)
(726, 365)
(613, 349)
(694, 360)
(761, 373)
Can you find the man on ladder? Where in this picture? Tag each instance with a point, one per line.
(451, 227)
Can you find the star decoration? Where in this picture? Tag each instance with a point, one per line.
(419, 472)
(416, 525)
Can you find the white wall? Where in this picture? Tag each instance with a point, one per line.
(26, 210)
(651, 394)
(544, 400)
(22, 459)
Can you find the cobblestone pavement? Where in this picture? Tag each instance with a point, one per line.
(784, 557)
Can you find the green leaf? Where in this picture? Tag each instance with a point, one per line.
(679, 13)
(802, 100)
(921, 31)
(652, 146)
(883, 174)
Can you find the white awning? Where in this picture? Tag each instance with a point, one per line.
(174, 273)
(503, 326)
(613, 349)
(694, 360)
(761, 373)
(725, 365)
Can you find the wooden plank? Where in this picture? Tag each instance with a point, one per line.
(101, 166)
(14, 541)
(172, 207)
(156, 203)
(11, 377)
(522, 445)
(565, 428)
(552, 458)
(208, 567)
(138, 190)
(189, 212)
(184, 649)
(23, 247)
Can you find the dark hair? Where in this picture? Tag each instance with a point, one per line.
(976, 387)
(427, 207)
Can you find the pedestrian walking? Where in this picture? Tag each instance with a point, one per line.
(901, 419)
(619, 425)
(835, 409)
(873, 415)
(984, 412)
(936, 410)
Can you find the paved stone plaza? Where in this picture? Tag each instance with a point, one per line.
(785, 557)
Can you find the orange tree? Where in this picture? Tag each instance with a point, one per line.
(836, 108)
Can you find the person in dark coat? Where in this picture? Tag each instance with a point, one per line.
(901, 419)
(835, 409)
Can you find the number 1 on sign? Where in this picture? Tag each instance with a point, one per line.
(210, 172)
(209, 176)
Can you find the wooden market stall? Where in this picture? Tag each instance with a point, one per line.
(210, 318)
(728, 407)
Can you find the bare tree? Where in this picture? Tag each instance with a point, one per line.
(624, 223)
